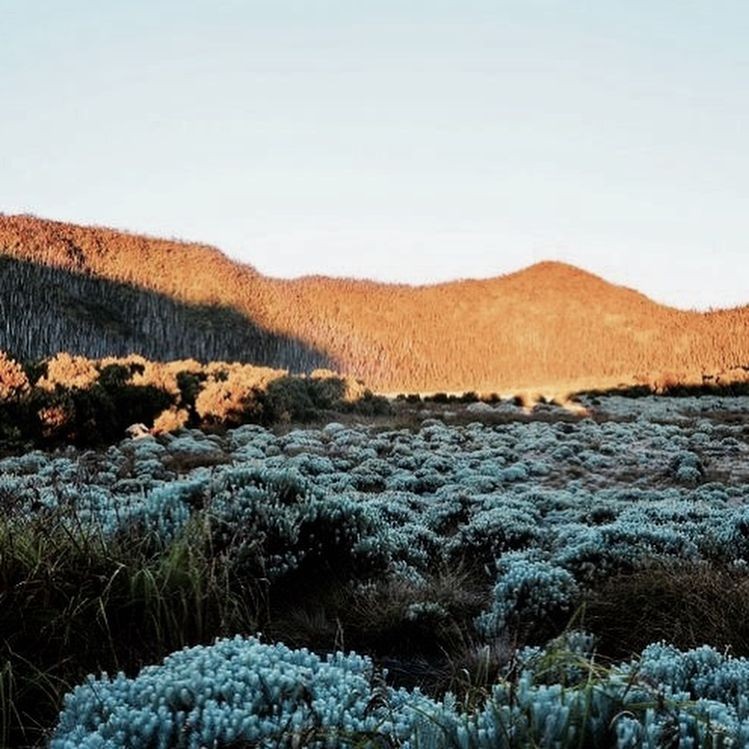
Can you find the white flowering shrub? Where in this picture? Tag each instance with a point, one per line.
(241, 692)
(687, 468)
(290, 525)
(539, 511)
(508, 524)
(528, 588)
(560, 699)
(477, 490)
(236, 692)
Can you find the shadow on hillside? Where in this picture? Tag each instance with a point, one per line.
(731, 388)
(46, 310)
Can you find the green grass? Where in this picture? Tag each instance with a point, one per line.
(73, 604)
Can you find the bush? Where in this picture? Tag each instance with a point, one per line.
(369, 404)
(291, 399)
(13, 379)
(241, 692)
(530, 591)
(236, 692)
(89, 402)
(189, 385)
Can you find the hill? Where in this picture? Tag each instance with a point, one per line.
(97, 292)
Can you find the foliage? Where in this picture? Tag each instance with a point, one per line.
(111, 293)
(395, 541)
(237, 691)
(91, 402)
(529, 589)
(243, 692)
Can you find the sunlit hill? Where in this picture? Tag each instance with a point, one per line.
(99, 292)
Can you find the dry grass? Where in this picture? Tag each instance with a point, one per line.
(687, 605)
(423, 634)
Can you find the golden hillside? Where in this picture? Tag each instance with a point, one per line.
(551, 323)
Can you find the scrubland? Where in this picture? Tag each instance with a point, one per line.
(68, 399)
(452, 574)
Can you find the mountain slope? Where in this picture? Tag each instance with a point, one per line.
(44, 309)
(548, 324)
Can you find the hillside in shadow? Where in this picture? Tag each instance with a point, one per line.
(45, 310)
(548, 325)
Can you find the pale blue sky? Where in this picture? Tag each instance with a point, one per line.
(401, 140)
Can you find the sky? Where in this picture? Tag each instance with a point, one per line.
(394, 139)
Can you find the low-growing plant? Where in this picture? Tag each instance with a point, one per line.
(560, 696)
(350, 535)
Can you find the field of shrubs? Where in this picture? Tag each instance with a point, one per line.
(452, 574)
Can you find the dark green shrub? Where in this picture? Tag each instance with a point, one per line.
(189, 385)
(326, 393)
(114, 376)
(288, 399)
(35, 369)
(370, 404)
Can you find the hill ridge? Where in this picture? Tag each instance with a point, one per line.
(549, 322)
(548, 266)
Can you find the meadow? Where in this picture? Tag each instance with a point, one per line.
(449, 574)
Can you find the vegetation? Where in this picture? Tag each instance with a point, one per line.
(95, 317)
(111, 293)
(72, 399)
(449, 555)
(557, 697)
(510, 573)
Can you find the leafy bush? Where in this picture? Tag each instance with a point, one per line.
(90, 402)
